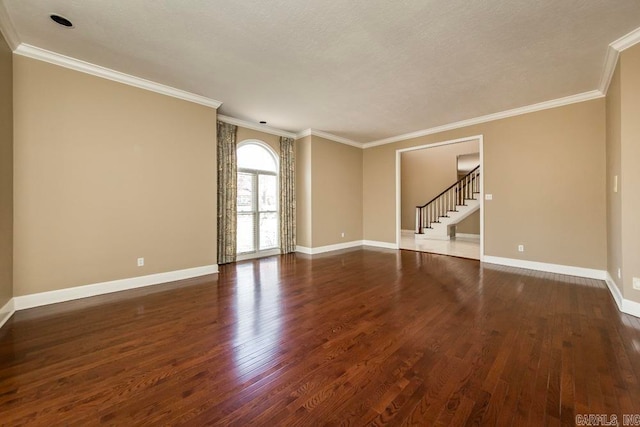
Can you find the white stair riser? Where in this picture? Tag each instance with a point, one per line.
(439, 230)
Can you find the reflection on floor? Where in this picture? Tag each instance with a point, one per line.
(465, 247)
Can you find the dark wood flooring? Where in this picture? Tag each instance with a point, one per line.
(362, 337)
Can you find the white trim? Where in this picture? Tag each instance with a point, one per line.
(572, 99)
(256, 126)
(68, 294)
(626, 41)
(329, 136)
(407, 231)
(610, 61)
(7, 311)
(7, 29)
(259, 254)
(480, 139)
(378, 244)
(468, 235)
(107, 73)
(630, 307)
(615, 291)
(551, 268)
(481, 196)
(438, 144)
(611, 58)
(624, 305)
(328, 248)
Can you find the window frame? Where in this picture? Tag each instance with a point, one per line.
(255, 173)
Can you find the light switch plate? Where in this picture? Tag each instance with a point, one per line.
(488, 196)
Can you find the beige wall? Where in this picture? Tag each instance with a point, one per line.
(426, 173)
(328, 192)
(336, 189)
(303, 191)
(630, 171)
(614, 206)
(106, 173)
(6, 174)
(539, 167)
(469, 225)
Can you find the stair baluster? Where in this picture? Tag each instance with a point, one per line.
(456, 195)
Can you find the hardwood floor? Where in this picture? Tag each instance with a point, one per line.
(362, 337)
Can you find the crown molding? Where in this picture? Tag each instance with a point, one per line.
(107, 73)
(610, 61)
(581, 97)
(7, 29)
(330, 137)
(258, 127)
(626, 41)
(611, 58)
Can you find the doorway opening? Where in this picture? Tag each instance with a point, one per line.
(439, 198)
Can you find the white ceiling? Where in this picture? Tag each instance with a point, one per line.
(360, 69)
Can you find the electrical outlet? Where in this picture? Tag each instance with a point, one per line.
(520, 248)
(619, 274)
(140, 262)
(636, 283)
(488, 196)
(615, 184)
(342, 234)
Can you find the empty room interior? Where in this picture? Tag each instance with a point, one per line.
(320, 213)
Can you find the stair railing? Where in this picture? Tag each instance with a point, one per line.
(447, 201)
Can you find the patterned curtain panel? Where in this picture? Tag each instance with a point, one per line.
(287, 196)
(227, 190)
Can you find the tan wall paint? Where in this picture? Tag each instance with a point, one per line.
(106, 173)
(630, 182)
(539, 167)
(6, 173)
(303, 191)
(426, 173)
(336, 189)
(272, 141)
(469, 225)
(614, 206)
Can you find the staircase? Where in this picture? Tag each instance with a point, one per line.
(435, 218)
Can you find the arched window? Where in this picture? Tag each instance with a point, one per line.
(258, 223)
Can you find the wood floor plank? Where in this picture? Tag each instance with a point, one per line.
(356, 337)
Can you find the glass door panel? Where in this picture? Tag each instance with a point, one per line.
(246, 240)
(268, 197)
(268, 230)
(246, 191)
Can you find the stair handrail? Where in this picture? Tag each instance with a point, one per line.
(436, 208)
(449, 188)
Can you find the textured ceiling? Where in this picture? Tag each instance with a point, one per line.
(360, 69)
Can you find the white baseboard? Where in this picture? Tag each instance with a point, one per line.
(7, 311)
(407, 231)
(630, 307)
(615, 291)
(468, 236)
(624, 305)
(377, 244)
(68, 294)
(551, 268)
(328, 248)
(352, 244)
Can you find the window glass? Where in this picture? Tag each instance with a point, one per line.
(253, 156)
